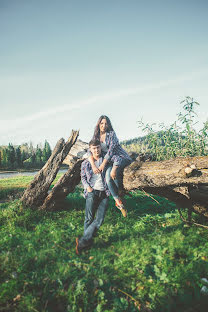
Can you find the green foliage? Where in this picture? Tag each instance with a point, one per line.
(46, 151)
(180, 139)
(24, 156)
(148, 261)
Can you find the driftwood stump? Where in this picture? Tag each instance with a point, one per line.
(65, 185)
(37, 191)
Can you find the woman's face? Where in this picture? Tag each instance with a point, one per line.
(103, 125)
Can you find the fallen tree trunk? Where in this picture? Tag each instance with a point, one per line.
(37, 191)
(173, 172)
(181, 180)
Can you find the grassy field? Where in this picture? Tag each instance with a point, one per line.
(149, 261)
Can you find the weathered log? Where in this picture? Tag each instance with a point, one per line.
(166, 173)
(65, 185)
(78, 150)
(37, 191)
(181, 180)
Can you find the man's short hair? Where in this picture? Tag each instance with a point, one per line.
(94, 142)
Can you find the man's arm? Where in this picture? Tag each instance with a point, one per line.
(84, 177)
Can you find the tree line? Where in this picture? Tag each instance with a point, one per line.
(24, 156)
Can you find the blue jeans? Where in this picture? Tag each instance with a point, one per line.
(95, 201)
(117, 184)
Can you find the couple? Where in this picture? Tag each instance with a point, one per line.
(101, 175)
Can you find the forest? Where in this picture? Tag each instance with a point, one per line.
(24, 156)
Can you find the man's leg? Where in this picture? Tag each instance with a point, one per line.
(101, 211)
(90, 208)
(97, 222)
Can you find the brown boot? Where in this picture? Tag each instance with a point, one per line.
(120, 206)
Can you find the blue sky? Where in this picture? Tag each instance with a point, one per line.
(64, 63)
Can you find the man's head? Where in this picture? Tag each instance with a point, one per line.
(95, 148)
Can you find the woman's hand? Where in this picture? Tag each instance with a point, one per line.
(102, 167)
(95, 169)
(113, 172)
(89, 189)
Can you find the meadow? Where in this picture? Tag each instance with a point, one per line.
(149, 261)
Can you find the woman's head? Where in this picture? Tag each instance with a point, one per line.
(103, 125)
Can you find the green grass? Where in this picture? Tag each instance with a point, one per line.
(149, 261)
(12, 188)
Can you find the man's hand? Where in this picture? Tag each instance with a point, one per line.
(89, 189)
(95, 169)
(113, 172)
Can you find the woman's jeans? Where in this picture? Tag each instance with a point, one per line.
(117, 184)
(95, 201)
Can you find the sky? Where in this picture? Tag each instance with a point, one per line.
(64, 63)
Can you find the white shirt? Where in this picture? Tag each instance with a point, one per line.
(103, 147)
(96, 180)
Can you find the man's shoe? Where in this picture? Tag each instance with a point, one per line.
(120, 206)
(78, 249)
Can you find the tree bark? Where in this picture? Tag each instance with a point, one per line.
(181, 180)
(65, 185)
(37, 191)
(166, 173)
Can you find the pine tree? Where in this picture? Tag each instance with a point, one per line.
(10, 155)
(18, 157)
(46, 151)
(39, 156)
(4, 158)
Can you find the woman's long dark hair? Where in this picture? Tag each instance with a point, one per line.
(97, 127)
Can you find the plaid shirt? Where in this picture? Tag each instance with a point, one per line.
(115, 152)
(87, 173)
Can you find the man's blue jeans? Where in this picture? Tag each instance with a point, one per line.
(95, 201)
(117, 184)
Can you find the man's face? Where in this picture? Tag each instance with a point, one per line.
(95, 150)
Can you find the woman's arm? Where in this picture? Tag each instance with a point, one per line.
(92, 162)
(102, 166)
(113, 143)
(110, 153)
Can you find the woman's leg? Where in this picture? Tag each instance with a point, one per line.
(113, 188)
(112, 184)
(119, 173)
(116, 184)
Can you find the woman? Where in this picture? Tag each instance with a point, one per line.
(116, 159)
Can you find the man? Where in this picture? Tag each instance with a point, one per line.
(96, 194)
